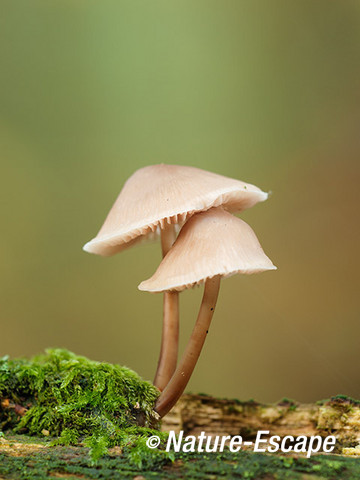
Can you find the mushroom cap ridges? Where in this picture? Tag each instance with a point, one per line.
(210, 243)
(159, 194)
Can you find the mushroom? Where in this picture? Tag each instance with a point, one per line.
(153, 200)
(211, 245)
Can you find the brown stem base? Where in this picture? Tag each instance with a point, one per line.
(180, 379)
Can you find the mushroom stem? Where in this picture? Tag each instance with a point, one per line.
(170, 331)
(168, 237)
(180, 379)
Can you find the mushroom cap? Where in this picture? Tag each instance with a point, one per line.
(160, 194)
(210, 243)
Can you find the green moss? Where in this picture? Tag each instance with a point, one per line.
(338, 400)
(75, 399)
(72, 462)
(288, 402)
(344, 399)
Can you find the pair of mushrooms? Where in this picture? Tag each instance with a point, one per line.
(212, 244)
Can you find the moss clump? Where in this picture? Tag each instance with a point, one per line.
(74, 399)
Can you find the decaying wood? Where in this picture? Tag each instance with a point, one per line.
(339, 416)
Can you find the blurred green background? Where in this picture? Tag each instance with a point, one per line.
(267, 92)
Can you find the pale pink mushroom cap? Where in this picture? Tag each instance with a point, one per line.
(167, 194)
(210, 243)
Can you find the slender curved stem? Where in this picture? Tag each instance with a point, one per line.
(179, 380)
(170, 333)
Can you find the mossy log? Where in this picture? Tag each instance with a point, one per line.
(92, 420)
(338, 416)
(29, 458)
